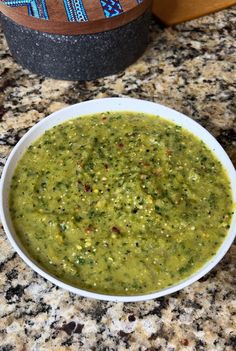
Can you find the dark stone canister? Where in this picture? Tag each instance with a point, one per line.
(76, 39)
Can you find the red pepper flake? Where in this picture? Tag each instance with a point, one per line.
(115, 230)
(89, 229)
(169, 152)
(87, 188)
(184, 342)
(120, 145)
(145, 164)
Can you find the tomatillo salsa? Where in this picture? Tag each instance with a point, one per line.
(120, 203)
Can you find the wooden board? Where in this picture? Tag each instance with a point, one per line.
(172, 12)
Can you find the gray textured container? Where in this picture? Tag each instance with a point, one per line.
(77, 57)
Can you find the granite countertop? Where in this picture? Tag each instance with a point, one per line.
(191, 68)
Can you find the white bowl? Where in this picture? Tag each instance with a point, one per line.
(101, 105)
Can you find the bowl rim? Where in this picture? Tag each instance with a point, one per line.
(102, 105)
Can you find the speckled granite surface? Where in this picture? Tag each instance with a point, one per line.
(192, 69)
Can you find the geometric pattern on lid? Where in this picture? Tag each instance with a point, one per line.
(36, 8)
(111, 8)
(75, 10)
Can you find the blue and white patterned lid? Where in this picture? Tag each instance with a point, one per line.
(73, 16)
(75, 10)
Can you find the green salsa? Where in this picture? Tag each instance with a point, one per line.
(120, 203)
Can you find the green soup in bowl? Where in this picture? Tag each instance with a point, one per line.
(112, 201)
